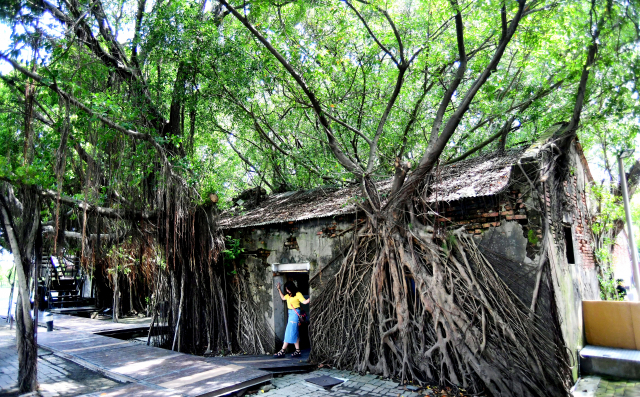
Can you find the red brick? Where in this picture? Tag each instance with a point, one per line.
(519, 217)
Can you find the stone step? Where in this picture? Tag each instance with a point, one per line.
(608, 361)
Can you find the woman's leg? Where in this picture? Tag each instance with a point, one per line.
(285, 345)
(297, 353)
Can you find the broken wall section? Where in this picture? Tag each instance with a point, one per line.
(568, 212)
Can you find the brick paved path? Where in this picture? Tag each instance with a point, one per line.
(616, 388)
(56, 376)
(294, 385)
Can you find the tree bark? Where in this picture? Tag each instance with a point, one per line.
(27, 351)
(116, 296)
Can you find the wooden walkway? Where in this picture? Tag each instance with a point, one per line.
(85, 324)
(269, 364)
(144, 370)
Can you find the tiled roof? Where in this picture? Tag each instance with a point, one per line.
(479, 176)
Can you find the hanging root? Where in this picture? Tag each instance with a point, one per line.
(402, 306)
(253, 334)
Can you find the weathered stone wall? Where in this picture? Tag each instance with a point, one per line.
(568, 209)
(577, 209)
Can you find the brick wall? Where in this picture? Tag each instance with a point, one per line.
(480, 213)
(577, 204)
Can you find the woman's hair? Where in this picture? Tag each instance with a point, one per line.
(293, 289)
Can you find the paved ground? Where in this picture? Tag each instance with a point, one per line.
(595, 386)
(56, 376)
(612, 387)
(59, 377)
(295, 385)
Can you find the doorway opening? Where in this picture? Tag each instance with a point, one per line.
(301, 280)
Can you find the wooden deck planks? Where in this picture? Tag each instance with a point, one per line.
(83, 324)
(135, 389)
(152, 371)
(268, 363)
(222, 383)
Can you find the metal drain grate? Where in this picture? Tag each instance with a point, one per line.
(325, 381)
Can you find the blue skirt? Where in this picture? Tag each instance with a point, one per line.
(291, 334)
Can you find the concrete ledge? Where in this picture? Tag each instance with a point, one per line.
(586, 387)
(607, 361)
(290, 267)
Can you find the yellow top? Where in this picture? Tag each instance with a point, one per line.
(293, 302)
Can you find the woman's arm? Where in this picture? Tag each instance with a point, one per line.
(281, 296)
(301, 298)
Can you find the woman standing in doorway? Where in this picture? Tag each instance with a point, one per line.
(294, 298)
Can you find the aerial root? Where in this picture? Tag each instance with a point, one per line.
(402, 306)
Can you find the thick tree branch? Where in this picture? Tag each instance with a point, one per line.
(136, 33)
(46, 229)
(106, 212)
(462, 68)
(333, 144)
(433, 152)
(374, 37)
(569, 132)
(503, 21)
(247, 162)
(75, 102)
(106, 32)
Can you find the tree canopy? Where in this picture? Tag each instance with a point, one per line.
(190, 82)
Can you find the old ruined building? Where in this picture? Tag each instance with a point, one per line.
(527, 210)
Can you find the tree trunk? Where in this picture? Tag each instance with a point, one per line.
(130, 296)
(25, 339)
(177, 328)
(116, 296)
